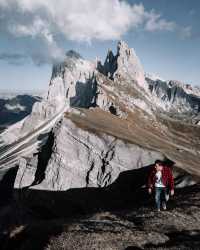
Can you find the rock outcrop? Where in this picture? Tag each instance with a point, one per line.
(80, 158)
(125, 64)
(71, 84)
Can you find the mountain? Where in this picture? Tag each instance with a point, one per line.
(179, 100)
(119, 119)
(88, 145)
(124, 64)
(15, 106)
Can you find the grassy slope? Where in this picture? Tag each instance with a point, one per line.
(178, 141)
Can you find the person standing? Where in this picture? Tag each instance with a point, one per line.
(161, 178)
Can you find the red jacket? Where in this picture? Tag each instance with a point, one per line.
(167, 178)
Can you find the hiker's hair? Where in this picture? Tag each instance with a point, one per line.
(159, 162)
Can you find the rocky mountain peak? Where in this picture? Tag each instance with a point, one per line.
(73, 54)
(122, 48)
(71, 59)
(129, 64)
(110, 65)
(124, 65)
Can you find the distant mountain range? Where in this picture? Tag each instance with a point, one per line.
(15, 106)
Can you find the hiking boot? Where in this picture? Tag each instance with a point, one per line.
(164, 206)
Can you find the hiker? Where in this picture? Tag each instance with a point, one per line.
(160, 179)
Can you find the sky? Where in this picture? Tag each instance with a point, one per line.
(34, 34)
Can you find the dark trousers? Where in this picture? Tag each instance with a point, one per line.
(160, 196)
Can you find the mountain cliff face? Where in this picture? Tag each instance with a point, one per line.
(81, 158)
(124, 64)
(98, 120)
(176, 98)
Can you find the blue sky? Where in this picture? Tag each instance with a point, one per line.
(164, 33)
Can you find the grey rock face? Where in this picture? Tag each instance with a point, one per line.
(71, 85)
(125, 64)
(74, 84)
(172, 97)
(110, 65)
(79, 158)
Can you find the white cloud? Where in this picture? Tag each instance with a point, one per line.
(156, 23)
(85, 20)
(80, 20)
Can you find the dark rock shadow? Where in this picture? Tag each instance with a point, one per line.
(124, 192)
(113, 110)
(86, 94)
(43, 157)
(186, 239)
(6, 185)
(133, 248)
(34, 237)
(127, 191)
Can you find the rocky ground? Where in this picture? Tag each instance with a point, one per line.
(134, 227)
